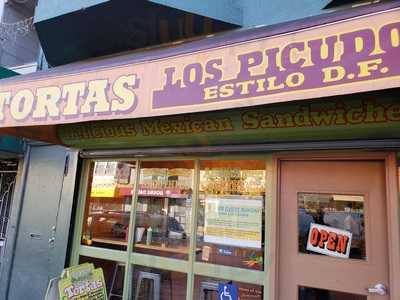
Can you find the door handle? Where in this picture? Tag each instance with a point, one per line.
(379, 289)
(35, 236)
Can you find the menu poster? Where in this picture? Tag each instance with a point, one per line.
(82, 282)
(233, 222)
(104, 183)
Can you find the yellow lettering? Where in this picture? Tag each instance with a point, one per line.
(333, 73)
(211, 92)
(393, 112)
(150, 128)
(250, 120)
(226, 90)
(272, 84)
(260, 85)
(295, 79)
(165, 128)
(395, 37)
(367, 66)
(209, 125)
(355, 115)
(267, 121)
(196, 127)
(244, 85)
(224, 124)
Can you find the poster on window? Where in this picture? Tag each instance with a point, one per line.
(233, 222)
(104, 183)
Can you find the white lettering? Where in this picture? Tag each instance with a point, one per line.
(21, 104)
(72, 92)
(121, 89)
(96, 100)
(47, 100)
(4, 98)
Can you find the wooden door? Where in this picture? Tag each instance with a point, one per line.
(340, 195)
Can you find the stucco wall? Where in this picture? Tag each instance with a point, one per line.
(1, 8)
(24, 49)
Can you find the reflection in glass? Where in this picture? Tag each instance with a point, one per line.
(345, 212)
(207, 288)
(151, 283)
(113, 275)
(231, 213)
(306, 293)
(164, 208)
(108, 204)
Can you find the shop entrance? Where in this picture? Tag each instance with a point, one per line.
(333, 240)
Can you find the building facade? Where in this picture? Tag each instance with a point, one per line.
(217, 160)
(29, 170)
(19, 47)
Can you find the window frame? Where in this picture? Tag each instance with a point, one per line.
(190, 267)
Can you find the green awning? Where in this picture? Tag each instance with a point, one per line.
(6, 72)
(9, 144)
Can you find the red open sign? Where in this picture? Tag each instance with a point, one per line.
(329, 241)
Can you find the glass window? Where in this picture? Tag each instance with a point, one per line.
(306, 293)
(342, 217)
(113, 275)
(164, 208)
(108, 204)
(209, 288)
(152, 283)
(230, 224)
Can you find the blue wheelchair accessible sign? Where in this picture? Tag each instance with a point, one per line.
(227, 291)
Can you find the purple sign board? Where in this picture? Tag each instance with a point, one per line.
(348, 56)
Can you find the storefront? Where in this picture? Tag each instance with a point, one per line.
(231, 214)
(261, 167)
